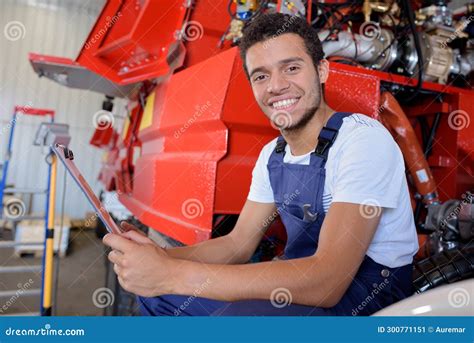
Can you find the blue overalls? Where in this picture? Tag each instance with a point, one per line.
(298, 193)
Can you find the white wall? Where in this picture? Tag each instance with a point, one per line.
(52, 27)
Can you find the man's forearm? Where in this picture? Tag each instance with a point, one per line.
(220, 250)
(307, 280)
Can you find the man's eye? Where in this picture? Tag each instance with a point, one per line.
(293, 68)
(259, 78)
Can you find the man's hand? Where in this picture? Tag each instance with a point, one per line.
(142, 267)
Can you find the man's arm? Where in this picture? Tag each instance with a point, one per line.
(239, 245)
(319, 280)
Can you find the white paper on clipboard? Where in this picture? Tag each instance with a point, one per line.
(65, 156)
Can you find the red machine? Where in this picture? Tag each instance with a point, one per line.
(182, 162)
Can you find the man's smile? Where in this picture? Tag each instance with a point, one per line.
(286, 103)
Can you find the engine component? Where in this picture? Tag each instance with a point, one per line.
(295, 7)
(452, 222)
(394, 117)
(391, 48)
(445, 267)
(375, 47)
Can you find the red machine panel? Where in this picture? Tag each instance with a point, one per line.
(135, 40)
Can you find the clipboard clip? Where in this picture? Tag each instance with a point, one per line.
(67, 152)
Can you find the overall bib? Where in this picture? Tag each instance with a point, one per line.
(298, 193)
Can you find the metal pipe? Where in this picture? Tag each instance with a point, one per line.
(20, 269)
(20, 292)
(48, 257)
(394, 116)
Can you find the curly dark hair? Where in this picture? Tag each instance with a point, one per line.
(270, 26)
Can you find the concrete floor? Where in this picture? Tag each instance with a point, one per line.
(81, 272)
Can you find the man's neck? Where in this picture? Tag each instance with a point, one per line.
(304, 140)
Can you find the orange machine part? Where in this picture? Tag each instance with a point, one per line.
(393, 115)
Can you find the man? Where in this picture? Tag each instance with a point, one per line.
(337, 180)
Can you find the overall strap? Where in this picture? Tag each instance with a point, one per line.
(328, 135)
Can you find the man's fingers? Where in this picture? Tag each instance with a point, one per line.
(137, 237)
(115, 257)
(129, 227)
(117, 242)
(117, 269)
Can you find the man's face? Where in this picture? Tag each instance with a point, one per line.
(284, 81)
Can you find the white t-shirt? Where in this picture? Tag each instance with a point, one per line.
(364, 166)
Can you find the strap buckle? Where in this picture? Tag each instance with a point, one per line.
(280, 146)
(326, 139)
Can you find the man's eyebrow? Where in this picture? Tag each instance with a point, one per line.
(282, 62)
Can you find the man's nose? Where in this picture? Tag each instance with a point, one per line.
(277, 84)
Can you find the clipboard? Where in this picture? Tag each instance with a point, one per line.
(66, 157)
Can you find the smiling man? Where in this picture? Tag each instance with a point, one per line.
(336, 179)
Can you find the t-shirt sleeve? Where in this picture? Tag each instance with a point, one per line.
(260, 188)
(370, 169)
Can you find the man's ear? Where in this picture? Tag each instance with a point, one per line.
(323, 70)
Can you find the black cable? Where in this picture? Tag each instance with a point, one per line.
(428, 145)
(416, 38)
(434, 128)
(229, 9)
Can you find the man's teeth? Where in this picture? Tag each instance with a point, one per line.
(284, 103)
